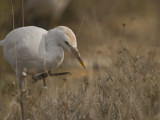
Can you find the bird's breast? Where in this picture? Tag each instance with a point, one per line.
(54, 58)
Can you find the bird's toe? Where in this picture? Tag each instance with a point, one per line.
(67, 73)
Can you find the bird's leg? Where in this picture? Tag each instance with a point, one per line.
(44, 75)
(22, 104)
(21, 83)
(59, 74)
(40, 76)
(44, 83)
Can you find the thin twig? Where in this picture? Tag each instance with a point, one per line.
(12, 14)
(22, 13)
(82, 22)
(13, 22)
(21, 92)
(124, 40)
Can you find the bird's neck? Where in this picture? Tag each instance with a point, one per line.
(54, 53)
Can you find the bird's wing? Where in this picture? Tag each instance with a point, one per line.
(23, 44)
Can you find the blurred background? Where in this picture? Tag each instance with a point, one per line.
(101, 27)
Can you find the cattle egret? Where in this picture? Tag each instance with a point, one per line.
(37, 50)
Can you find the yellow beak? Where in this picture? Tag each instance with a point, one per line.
(77, 54)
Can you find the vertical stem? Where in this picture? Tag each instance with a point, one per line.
(13, 28)
(22, 106)
(81, 24)
(22, 103)
(13, 23)
(21, 86)
(124, 40)
(22, 12)
(123, 32)
(21, 92)
(12, 14)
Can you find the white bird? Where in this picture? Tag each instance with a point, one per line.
(38, 50)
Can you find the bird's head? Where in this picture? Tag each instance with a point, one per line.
(69, 42)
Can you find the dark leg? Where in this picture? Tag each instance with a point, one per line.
(44, 75)
(39, 77)
(21, 82)
(59, 74)
(44, 82)
(22, 104)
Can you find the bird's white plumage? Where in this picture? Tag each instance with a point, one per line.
(35, 48)
(24, 43)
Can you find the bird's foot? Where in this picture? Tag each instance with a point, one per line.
(40, 76)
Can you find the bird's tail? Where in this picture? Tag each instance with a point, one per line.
(1, 42)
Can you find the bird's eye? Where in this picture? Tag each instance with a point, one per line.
(68, 45)
(66, 42)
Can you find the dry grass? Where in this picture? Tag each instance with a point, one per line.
(129, 89)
